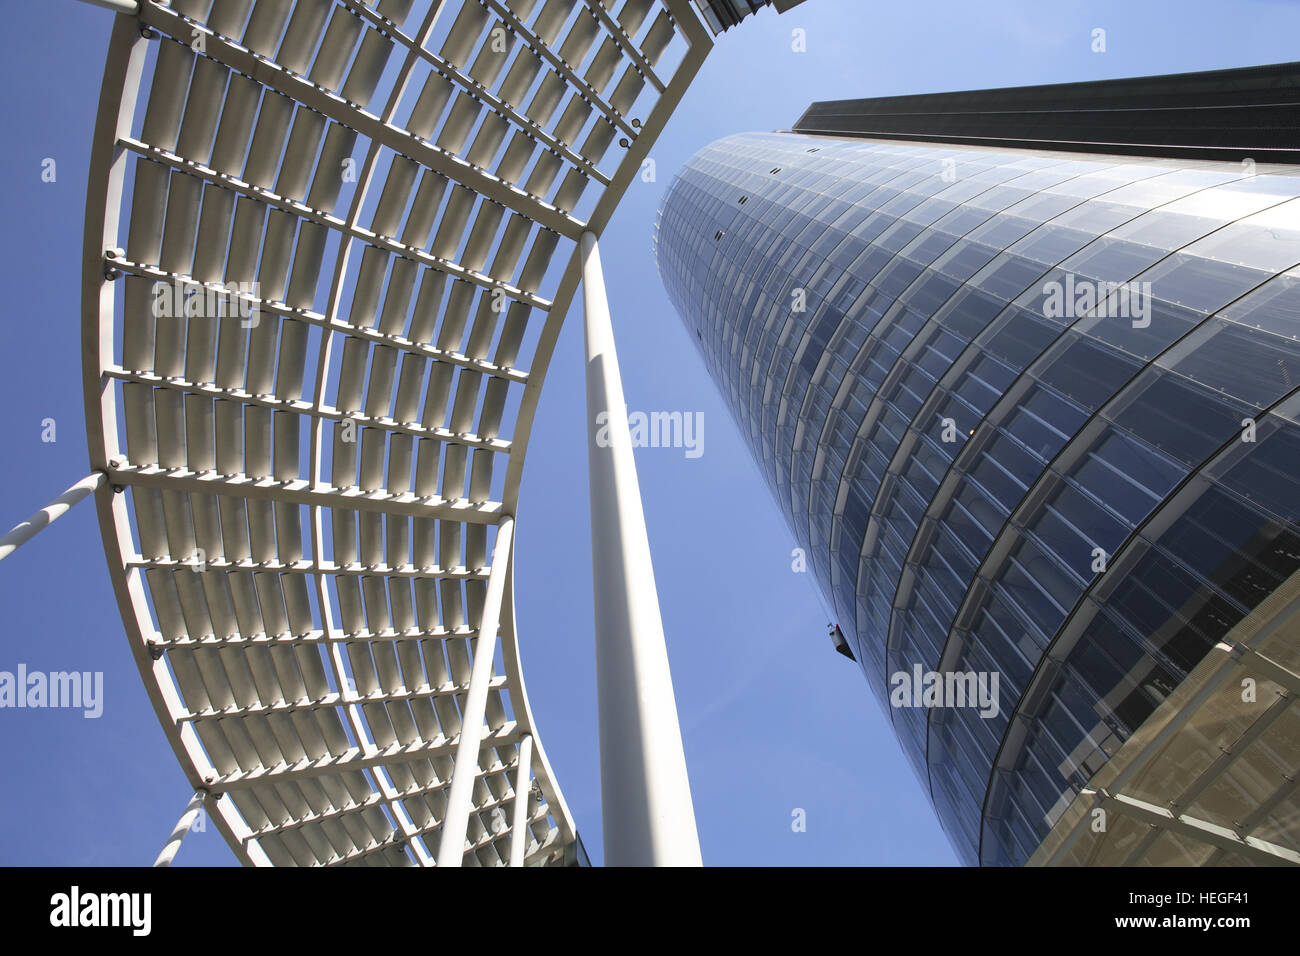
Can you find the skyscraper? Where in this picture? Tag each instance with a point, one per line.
(1020, 368)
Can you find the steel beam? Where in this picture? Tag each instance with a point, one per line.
(519, 811)
(173, 844)
(460, 798)
(355, 759)
(299, 492)
(26, 530)
(129, 7)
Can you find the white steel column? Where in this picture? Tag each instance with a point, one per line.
(460, 797)
(182, 827)
(648, 816)
(519, 812)
(27, 530)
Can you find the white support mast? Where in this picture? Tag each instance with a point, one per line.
(649, 819)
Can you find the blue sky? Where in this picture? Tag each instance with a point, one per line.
(773, 720)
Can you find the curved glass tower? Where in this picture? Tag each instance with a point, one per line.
(1034, 416)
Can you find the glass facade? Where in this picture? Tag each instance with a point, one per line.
(1031, 414)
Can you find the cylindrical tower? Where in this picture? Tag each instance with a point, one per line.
(1032, 414)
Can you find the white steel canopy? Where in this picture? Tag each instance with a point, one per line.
(329, 246)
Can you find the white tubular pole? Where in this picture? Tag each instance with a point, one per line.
(173, 844)
(27, 530)
(460, 798)
(648, 816)
(519, 812)
(129, 7)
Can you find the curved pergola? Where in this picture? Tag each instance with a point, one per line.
(329, 247)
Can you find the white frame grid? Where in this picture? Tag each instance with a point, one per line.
(269, 606)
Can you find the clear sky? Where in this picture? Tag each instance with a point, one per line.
(773, 719)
